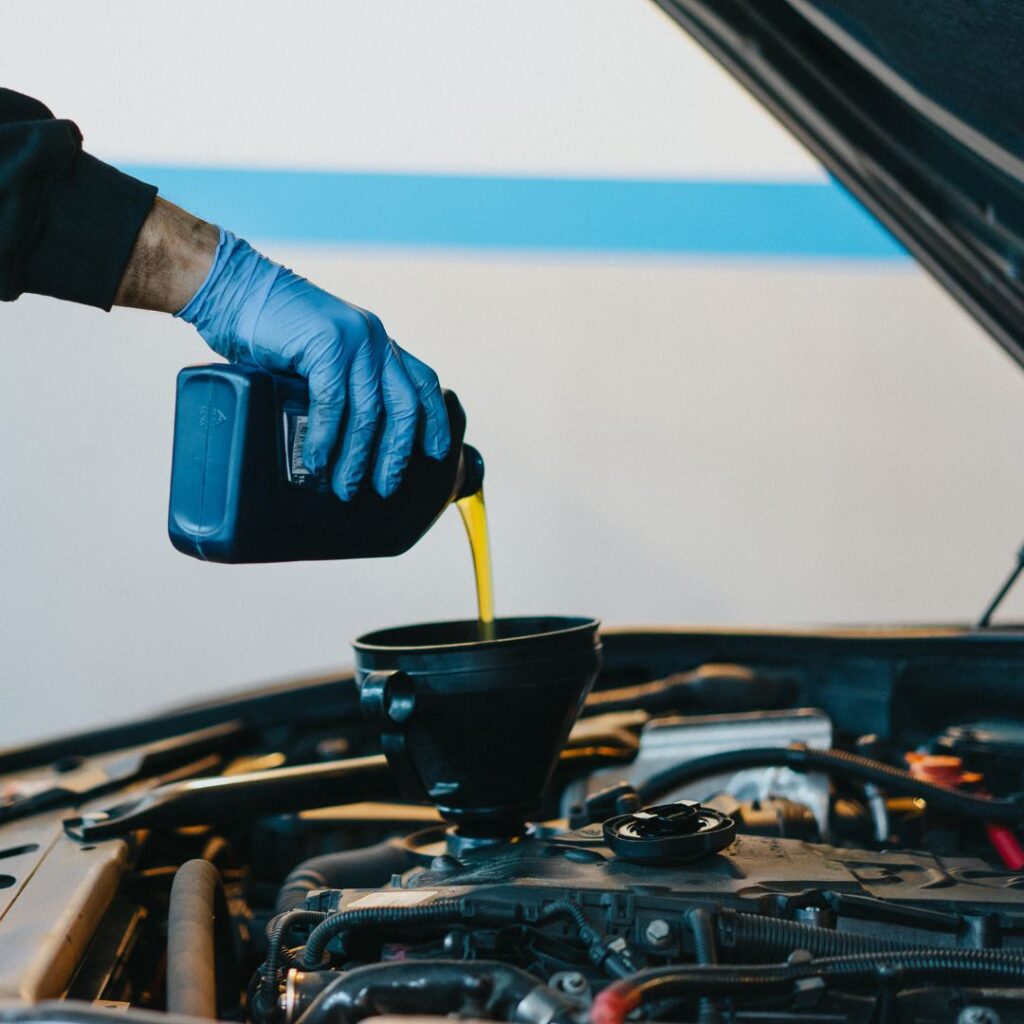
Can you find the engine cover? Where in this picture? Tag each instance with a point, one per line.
(921, 899)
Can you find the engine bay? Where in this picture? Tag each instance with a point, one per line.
(740, 827)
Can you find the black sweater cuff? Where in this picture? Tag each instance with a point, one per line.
(89, 225)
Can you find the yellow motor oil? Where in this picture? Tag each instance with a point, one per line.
(474, 515)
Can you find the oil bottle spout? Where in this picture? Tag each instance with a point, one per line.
(471, 472)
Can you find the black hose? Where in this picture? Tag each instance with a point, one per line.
(751, 938)
(450, 911)
(705, 953)
(441, 911)
(565, 908)
(200, 978)
(279, 929)
(834, 762)
(481, 988)
(366, 868)
(872, 971)
(611, 957)
(701, 927)
(961, 966)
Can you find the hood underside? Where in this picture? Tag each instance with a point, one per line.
(916, 107)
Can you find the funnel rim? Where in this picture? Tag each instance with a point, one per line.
(567, 625)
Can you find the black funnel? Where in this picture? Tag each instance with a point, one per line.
(476, 726)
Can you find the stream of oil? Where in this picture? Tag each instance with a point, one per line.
(474, 516)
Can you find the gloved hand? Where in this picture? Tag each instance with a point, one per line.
(254, 311)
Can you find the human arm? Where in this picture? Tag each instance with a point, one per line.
(75, 228)
(68, 221)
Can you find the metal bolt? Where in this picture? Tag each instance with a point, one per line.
(573, 983)
(658, 932)
(977, 1015)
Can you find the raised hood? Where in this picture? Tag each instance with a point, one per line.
(916, 106)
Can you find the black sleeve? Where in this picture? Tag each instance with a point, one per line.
(67, 220)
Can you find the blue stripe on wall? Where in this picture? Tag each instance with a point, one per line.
(722, 218)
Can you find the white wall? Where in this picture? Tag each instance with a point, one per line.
(667, 439)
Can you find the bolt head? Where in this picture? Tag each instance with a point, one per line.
(658, 932)
(574, 983)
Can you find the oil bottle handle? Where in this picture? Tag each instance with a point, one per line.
(388, 699)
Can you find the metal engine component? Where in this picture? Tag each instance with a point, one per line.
(548, 925)
(668, 741)
(758, 898)
(742, 875)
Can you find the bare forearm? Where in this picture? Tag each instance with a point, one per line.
(171, 258)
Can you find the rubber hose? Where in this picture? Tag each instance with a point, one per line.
(834, 762)
(197, 910)
(751, 938)
(705, 952)
(565, 908)
(280, 927)
(366, 868)
(979, 966)
(599, 949)
(440, 987)
(441, 911)
(868, 970)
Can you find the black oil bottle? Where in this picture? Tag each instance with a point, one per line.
(241, 493)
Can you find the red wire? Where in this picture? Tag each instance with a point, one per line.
(613, 1004)
(1007, 845)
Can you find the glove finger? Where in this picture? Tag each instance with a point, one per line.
(364, 414)
(437, 435)
(401, 413)
(327, 396)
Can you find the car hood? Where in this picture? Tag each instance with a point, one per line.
(916, 107)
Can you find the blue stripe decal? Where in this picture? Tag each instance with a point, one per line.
(720, 218)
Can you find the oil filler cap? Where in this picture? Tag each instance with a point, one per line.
(669, 833)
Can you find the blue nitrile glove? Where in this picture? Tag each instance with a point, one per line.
(251, 310)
